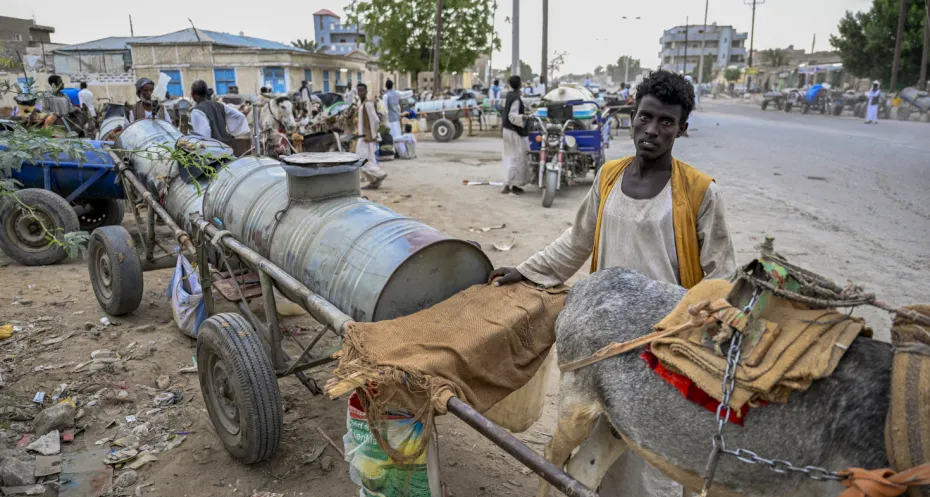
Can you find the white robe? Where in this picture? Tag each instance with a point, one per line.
(369, 150)
(516, 167)
(871, 112)
(637, 234)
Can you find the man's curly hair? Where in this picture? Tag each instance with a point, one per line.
(670, 88)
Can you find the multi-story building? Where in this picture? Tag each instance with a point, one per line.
(334, 37)
(682, 50)
(16, 35)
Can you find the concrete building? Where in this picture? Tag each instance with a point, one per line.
(681, 47)
(334, 37)
(16, 35)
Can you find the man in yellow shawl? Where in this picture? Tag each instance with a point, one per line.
(651, 213)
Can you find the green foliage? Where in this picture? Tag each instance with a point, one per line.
(557, 61)
(708, 70)
(774, 57)
(866, 41)
(618, 70)
(526, 72)
(732, 74)
(406, 32)
(308, 45)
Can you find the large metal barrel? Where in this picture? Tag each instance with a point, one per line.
(366, 259)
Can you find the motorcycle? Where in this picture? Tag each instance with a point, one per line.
(555, 162)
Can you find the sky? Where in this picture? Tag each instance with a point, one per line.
(591, 31)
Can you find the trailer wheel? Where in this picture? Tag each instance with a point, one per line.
(837, 109)
(859, 110)
(904, 112)
(443, 130)
(239, 387)
(805, 108)
(115, 270)
(552, 184)
(765, 103)
(102, 212)
(459, 129)
(22, 235)
(787, 107)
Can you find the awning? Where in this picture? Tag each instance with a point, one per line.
(806, 69)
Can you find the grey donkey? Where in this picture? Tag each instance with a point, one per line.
(837, 424)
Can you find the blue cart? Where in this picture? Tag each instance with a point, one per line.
(65, 195)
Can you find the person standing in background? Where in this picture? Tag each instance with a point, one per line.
(496, 89)
(143, 108)
(516, 145)
(367, 139)
(87, 100)
(391, 101)
(871, 112)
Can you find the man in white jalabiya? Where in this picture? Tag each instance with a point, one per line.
(871, 112)
(516, 146)
(87, 100)
(367, 144)
(391, 100)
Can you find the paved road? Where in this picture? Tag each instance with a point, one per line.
(848, 199)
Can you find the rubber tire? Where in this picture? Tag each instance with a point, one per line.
(114, 211)
(765, 103)
(123, 266)
(805, 109)
(459, 129)
(253, 383)
(787, 108)
(55, 208)
(837, 110)
(551, 182)
(906, 114)
(859, 110)
(443, 130)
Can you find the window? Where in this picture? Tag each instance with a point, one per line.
(224, 79)
(274, 79)
(321, 23)
(342, 40)
(26, 84)
(308, 75)
(339, 78)
(175, 86)
(359, 76)
(17, 37)
(325, 81)
(725, 40)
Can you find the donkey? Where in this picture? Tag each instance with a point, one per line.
(837, 424)
(277, 122)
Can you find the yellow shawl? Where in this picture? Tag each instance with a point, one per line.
(688, 188)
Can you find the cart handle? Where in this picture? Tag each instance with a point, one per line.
(582, 102)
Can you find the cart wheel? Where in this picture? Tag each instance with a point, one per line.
(22, 236)
(239, 387)
(115, 270)
(837, 110)
(443, 130)
(787, 107)
(859, 110)
(102, 212)
(552, 184)
(459, 129)
(904, 112)
(765, 103)
(805, 109)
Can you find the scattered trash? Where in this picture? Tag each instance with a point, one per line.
(25, 490)
(474, 229)
(39, 397)
(128, 442)
(142, 460)
(140, 487)
(47, 367)
(267, 494)
(48, 465)
(166, 399)
(504, 247)
(102, 441)
(127, 478)
(78, 313)
(57, 394)
(326, 464)
(68, 435)
(103, 355)
(48, 444)
(56, 418)
(53, 341)
(146, 328)
(24, 441)
(105, 321)
(330, 440)
(192, 369)
(131, 419)
(6, 331)
(121, 456)
(16, 473)
(83, 474)
(482, 183)
(173, 442)
(163, 382)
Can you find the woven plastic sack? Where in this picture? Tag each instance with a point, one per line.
(374, 471)
(186, 297)
(519, 410)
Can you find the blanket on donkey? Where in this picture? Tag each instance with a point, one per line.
(792, 346)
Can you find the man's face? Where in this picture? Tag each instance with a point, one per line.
(362, 92)
(655, 127)
(146, 92)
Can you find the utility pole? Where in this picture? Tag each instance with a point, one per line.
(684, 64)
(902, 17)
(922, 82)
(515, 56)
(752, 39)
(814, 43)
(437, 77)
(545, 45)
(131, 32)
(703, 41)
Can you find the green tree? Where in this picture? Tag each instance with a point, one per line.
(405, 32)
(866, 41)
(774, 57)
(708, 69)
(526, 72)
(308, 45)
(598, 70)
(732, 74)
(618, 70)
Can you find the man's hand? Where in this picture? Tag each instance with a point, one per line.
(505, 276)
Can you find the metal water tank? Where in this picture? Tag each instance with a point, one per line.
(306, 216)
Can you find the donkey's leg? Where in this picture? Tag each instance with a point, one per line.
(577, 413)
(596, 455)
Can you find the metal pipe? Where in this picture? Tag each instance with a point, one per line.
(160, 263)
(318, 307)
(150, 233)
(548, 471)
(515, 48)
(256, 141)
(271, 314)
(180, 235)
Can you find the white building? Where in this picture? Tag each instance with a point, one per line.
(681, 47)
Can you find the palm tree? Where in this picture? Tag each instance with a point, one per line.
(774, 57)
(308, 45)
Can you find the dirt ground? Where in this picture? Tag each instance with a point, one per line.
(50, 303)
